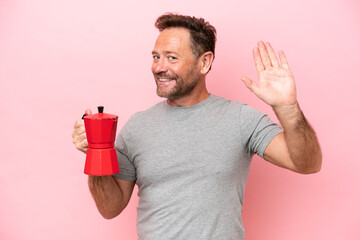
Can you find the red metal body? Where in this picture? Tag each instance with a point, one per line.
(101, 155)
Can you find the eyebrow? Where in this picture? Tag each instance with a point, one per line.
(166, 52)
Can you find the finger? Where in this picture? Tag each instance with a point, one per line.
(283, 60)
(82, 146)
(88, 111)
(272, 55)
(250, 84)
(79, 138)
(79, 123)
(258, 62)
(264, 55)
(78, 131)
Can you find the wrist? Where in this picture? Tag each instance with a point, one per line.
(288, 113)
(286, 108)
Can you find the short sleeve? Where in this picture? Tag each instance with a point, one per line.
(127, 168)
(258, 129)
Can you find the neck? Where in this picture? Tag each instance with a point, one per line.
(188, 100)
(199, 94)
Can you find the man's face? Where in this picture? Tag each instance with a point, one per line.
(175, 67)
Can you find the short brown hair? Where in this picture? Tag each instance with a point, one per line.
(202, 34)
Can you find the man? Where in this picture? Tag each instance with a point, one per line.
(190, 155)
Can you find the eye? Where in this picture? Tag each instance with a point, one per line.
(172, 58)
(156, 57)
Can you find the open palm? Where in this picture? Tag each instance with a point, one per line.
(276, 85)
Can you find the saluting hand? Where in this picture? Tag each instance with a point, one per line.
(276, 85)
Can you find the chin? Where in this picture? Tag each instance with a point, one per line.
(164, 94)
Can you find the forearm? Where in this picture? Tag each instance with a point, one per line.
(301, 140)
(107, 195)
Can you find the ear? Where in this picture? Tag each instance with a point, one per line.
(206, 61)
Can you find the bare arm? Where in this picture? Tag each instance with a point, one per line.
(111, 194)
(297, 148)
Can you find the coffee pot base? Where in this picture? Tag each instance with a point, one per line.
(101, 162)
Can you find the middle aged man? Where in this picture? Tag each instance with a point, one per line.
(190, 155)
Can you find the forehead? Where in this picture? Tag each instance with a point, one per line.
(174, 40)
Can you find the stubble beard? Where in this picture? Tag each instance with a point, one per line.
(182, 88)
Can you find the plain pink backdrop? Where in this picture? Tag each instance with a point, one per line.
(58, 58)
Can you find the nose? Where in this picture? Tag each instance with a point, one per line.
(159, 66)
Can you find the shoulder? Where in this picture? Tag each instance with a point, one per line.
(138, 119)
(245, 113)
(223, 103)
(237, 109)
(146, 114)
(236, 105)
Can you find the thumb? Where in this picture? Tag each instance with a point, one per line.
(250, 84)
(88, 111)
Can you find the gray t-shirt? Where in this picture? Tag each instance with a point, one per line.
(191, 165)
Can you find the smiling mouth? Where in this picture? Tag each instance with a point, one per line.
(165, 79)
(164, 82)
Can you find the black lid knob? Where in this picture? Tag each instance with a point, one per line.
(101, 109)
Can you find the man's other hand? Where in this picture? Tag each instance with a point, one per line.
(276, 85)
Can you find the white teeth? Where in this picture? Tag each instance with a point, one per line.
(164, 80)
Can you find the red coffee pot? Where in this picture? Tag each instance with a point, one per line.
(101, 155)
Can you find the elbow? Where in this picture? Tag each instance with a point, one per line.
(109, 212)
(317, 163)
(317, 168)
(109, 215)
(310, 170)
(314, 167)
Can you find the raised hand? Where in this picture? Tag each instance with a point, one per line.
(276, 85)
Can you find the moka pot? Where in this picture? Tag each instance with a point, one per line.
(101, 157)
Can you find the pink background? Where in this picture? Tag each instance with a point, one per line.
(58, 58)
